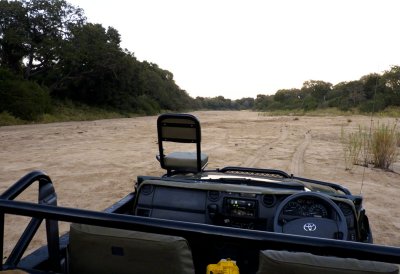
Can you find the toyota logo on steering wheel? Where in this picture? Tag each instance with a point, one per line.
(309, 227)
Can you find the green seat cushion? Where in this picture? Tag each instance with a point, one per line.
(94, 249)
(284, 262)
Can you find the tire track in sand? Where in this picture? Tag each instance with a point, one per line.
(297, 164)
(261, 150)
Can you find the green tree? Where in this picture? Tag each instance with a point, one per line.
(262, 102)
(348, 94)
(290, 98)
(372, 84)
(317, 89)
(33, 31)
(13, 35)
(92, 68)
(391, 79)
(159, 84)
(244, 103)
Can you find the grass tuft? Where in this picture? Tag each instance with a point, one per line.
(384, 145)
(352, 147)
(377, 147)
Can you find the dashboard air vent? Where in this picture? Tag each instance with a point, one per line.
(213, 195)
(146, 189)
(269, 200)
(346, 209)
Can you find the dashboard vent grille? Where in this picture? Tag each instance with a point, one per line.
(269, 200)
(146, 189)
(346, 209)
(213, 195)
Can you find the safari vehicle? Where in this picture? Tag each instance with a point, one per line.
(195, 220)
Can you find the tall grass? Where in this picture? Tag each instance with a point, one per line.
(377, 146)
(354, 147)
(392, 111)
(384, 145)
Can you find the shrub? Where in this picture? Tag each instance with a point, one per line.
(310, 103)
(373, 106)
(6, 119)
(28, 100)
(146, 105)
(21, 98)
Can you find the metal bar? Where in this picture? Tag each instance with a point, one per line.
(12, 192)
(46, 195)
(332, 185)
(23, 242)
(2, 238)
(208, 233)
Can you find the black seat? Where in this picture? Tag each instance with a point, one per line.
(180, 128)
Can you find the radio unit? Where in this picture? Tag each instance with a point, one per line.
(240, 207)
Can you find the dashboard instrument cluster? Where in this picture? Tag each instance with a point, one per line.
(306, 208)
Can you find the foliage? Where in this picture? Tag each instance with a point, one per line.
(6, 119)
(317, 90)
(33, 33)
(12, 35)
(22, 98)
(221, 103)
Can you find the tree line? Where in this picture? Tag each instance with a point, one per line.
(372, 92)
(50, 53)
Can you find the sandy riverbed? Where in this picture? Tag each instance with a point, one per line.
(93, 164)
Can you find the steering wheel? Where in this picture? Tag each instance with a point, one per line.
(312, 226)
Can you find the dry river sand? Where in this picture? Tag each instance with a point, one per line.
(94, 164)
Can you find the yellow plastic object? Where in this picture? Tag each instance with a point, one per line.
(223, 267)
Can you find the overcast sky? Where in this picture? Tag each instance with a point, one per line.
(243, 48)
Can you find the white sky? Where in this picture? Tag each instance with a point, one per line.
(243, 48)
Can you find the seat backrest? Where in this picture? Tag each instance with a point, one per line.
(94, 249)
(179, 128)
(284, 262)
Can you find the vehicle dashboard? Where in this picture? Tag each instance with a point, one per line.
(239, 206)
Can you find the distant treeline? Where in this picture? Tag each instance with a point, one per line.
(372, 92)
(50, 53)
